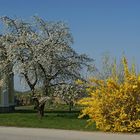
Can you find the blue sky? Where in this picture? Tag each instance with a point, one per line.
(97, 26)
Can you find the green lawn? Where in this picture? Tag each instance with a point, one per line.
(61, 120)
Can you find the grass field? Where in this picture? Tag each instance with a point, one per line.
(57, 120)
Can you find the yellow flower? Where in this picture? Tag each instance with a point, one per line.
(79, 82)
(139, 78)
(135, 86)
(138, 124)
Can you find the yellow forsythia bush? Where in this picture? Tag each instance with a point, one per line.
(113, 105)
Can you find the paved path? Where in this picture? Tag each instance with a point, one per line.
(13, 133)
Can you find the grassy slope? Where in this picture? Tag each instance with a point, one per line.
(51, 120)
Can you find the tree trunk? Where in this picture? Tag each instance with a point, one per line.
(33, 91)
(39, 107)
(70, 106)
(42, 110)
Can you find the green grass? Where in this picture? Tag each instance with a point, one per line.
(68, 121)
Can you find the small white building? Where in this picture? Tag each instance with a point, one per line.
(7, 102)
(7, 80)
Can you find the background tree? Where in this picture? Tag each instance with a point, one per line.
(70, 93)
(109, 66)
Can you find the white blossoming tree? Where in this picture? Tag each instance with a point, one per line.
(41, 52)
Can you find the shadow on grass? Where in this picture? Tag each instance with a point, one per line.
(24, 111)
(58, 113)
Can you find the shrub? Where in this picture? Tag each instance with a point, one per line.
(114, 105)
